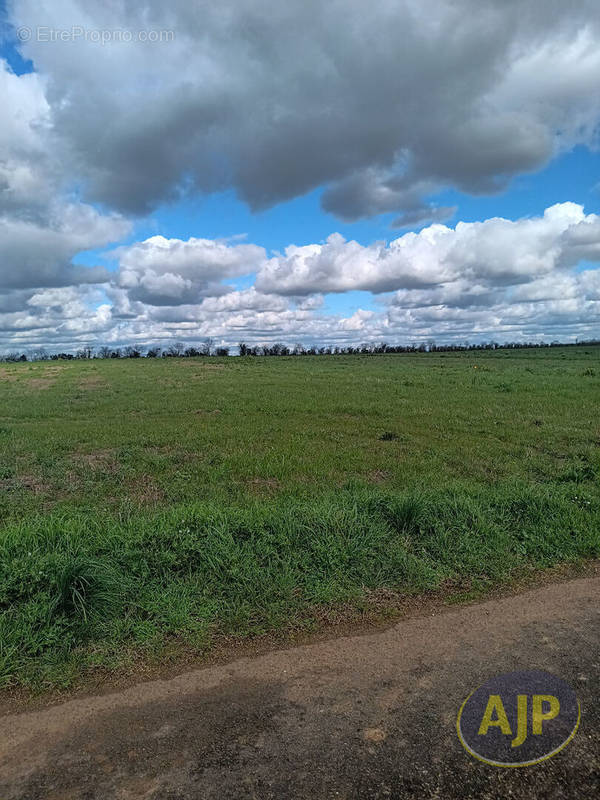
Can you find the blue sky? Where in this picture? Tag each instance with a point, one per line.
(573, 176)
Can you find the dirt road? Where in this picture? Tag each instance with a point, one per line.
(367, 716)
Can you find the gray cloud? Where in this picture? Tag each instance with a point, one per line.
(36, 254)
(384, 108)
(369, 192)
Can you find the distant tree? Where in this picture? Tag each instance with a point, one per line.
(175, 350)
(222, 351)
(277, 349)
(206, 348)
(104, 351)
(84, 353)
(243, 348)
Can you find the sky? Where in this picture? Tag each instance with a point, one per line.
(298, 172)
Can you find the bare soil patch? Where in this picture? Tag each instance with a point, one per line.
(264, 485)
(379, 476)
(33, 483)
(40, 383)
(92, 382)
(101, 460)
(45, 378)
(144, 491)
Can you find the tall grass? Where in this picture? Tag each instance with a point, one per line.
(78, 591)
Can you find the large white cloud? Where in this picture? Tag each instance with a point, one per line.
(494, 252)
(164, 271)
(24, 159)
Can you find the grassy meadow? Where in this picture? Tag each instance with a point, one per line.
(152, 504)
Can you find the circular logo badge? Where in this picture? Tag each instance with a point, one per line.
(518, 719)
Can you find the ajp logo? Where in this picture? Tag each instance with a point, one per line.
(518, 719)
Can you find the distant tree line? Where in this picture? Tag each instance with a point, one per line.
(373, 349)
(207, 349)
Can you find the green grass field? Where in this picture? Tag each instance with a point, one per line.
(151, 504)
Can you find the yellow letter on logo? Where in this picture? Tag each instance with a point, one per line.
(521, 721)
(501, 721)
(538, 716)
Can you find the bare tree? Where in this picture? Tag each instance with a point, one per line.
(207, 347)
(175, 350)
